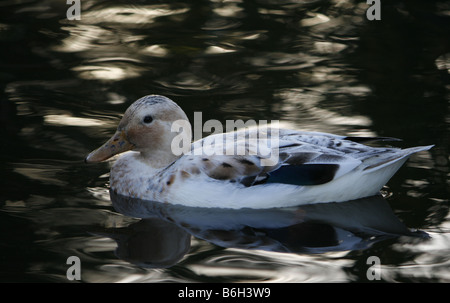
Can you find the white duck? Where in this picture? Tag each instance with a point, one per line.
(311, 167)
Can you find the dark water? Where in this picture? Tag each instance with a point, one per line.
(313, 65)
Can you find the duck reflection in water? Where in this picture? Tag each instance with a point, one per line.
(163, 235)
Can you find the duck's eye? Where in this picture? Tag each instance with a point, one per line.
(148, 119)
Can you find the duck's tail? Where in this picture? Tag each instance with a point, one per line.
(383, 159)
(417, 149)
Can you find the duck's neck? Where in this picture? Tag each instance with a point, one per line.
(158, 159)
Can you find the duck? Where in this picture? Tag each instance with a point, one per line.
(253, 167)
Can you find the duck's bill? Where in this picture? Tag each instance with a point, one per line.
(116, 145)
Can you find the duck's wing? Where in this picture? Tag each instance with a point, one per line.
(307, 167)
(303, 158)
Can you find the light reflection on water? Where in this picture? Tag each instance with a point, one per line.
(313, 65)
(261, 245)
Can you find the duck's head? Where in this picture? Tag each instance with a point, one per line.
(145, 127)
